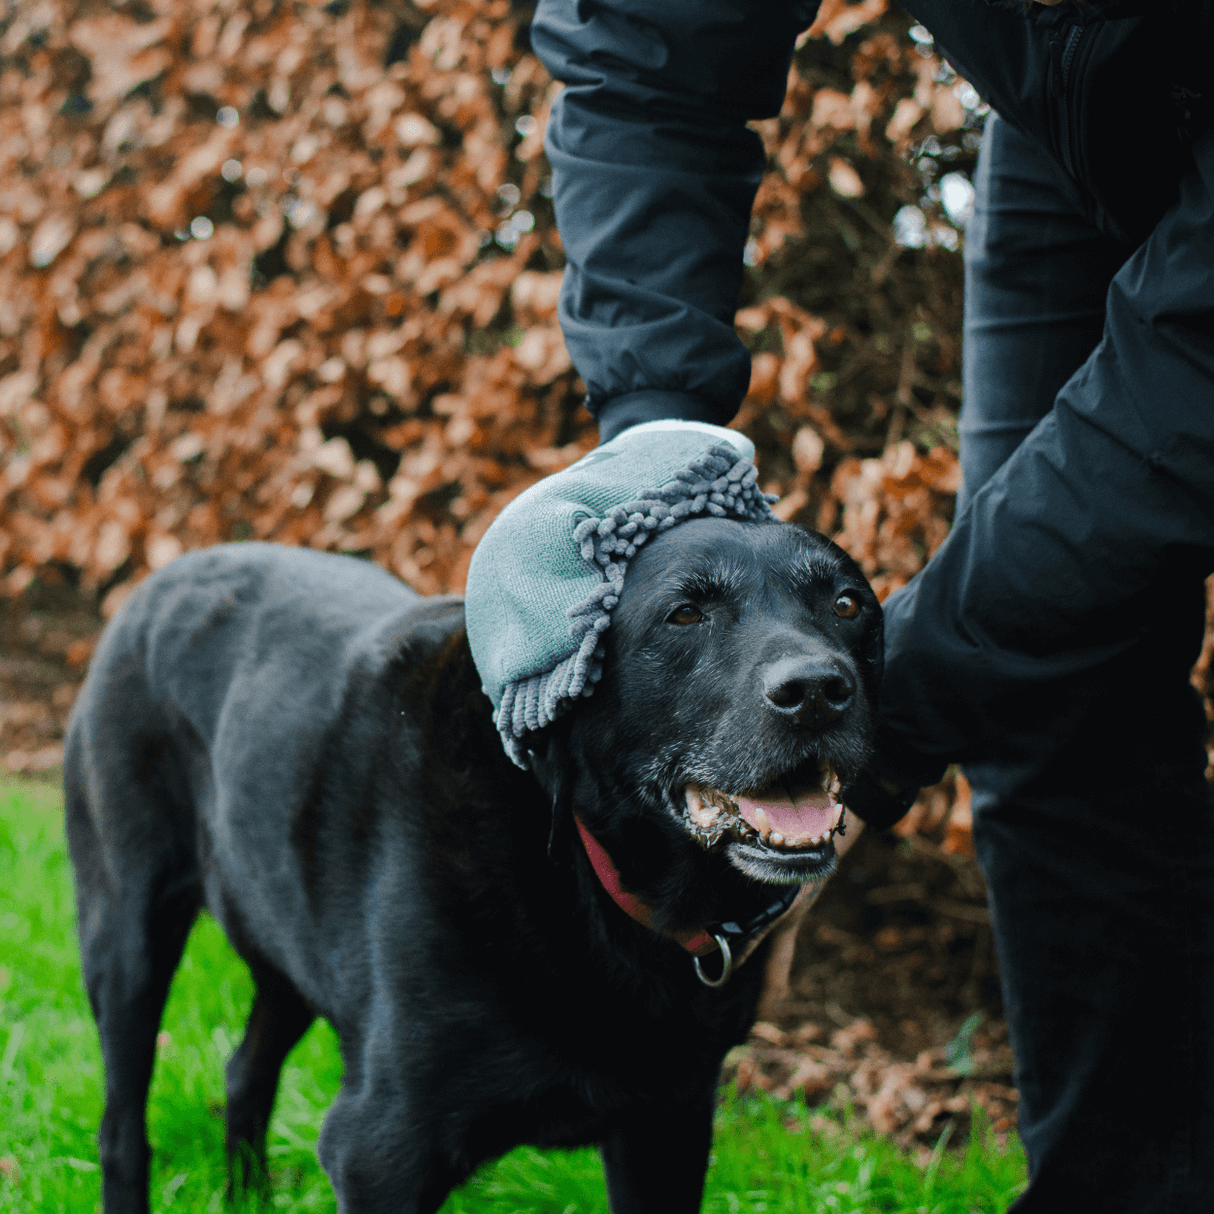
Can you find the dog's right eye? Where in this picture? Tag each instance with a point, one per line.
(847, 606)
(685, 613)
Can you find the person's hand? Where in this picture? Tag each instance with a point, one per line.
(879, 802)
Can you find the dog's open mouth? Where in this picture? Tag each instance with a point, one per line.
(801, 811)
(781, 832)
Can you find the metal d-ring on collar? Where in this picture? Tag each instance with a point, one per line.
(726, 964)
(743, 932)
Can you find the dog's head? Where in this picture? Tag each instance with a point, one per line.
(739, 692)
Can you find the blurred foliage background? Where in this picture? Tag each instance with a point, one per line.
(288, 271)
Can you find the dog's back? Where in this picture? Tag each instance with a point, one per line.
(202, 630)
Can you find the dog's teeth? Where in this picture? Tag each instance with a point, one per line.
(776, 839)
(701, 815)
(705, 819)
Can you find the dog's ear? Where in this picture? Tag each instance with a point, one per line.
(552, 763)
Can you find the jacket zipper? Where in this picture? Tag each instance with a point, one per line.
(1065, 60)
(1069, 51)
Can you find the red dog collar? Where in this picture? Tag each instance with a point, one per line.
(700, 943)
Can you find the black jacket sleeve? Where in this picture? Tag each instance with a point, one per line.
(655, 172)
(1072, 550)
(1050, 571)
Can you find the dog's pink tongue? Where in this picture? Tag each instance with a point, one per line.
(809, 814)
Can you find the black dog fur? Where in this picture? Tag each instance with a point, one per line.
(300, 743)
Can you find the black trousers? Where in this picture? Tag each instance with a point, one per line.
(1093, 822)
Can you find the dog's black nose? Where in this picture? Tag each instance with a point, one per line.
(806, 690)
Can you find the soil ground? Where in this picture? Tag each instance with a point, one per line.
(892, 1003)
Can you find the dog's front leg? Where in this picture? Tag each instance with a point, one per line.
(378, 1158)
(655, 1159)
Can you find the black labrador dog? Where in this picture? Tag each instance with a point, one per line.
(300, 743)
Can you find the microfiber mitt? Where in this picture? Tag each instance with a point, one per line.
(548, 572)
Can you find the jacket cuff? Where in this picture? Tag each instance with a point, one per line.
(620, 413)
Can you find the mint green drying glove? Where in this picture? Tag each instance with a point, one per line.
(548, 572)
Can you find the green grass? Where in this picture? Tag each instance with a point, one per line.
(766, 1156)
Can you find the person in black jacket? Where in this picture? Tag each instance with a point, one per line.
(1046, 646)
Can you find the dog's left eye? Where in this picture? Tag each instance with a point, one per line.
(847, 606)
(685, 613)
